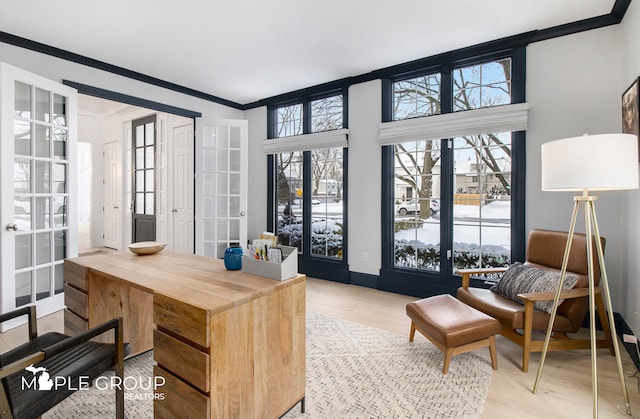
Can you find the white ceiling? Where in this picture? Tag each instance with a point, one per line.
(246, 50)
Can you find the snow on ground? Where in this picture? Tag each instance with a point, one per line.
(494, 219)
(467, 232)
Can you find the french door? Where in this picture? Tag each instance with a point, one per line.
(144, 181)
(181, 226)
(222, 183)
(38, 140)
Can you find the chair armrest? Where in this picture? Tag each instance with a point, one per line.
(564, 294)
(21, 364)
(70, 342)
(115, 324)
(466, 273)
(29, 310)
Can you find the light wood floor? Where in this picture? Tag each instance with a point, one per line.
(565, 388)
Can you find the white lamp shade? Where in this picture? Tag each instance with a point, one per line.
(591, 162)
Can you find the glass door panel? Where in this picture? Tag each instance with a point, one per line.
(224, 197)
(144, 216)
(36, 236)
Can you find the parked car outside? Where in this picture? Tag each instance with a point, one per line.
(413, 206)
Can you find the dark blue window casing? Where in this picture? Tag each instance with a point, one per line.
(310, 262)
(424, 282)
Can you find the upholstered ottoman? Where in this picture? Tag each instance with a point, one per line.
(453, 326)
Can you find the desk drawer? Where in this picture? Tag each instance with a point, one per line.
(76, 301)
(75, 275)
(180, 399)
(182, 359)
(181, 319)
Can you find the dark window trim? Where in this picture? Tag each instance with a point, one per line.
(425, 283)
(130, 100)
(616, 15)
(309, 264)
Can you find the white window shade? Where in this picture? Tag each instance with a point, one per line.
(504, 118)
(304, 142)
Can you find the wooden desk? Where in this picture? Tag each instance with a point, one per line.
(229, 344)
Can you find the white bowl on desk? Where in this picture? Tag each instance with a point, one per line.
(147, 248)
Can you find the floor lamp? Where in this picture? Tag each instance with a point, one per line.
(585, 164)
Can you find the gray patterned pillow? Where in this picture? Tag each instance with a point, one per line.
(521, 279)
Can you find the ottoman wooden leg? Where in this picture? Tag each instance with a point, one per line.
(447, 360)
(412, 333)
(492, 351)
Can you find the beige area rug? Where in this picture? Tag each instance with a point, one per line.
(353, 371)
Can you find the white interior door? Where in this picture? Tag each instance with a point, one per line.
(38, 143)
(112, 196)
(182, 211)
(221, 177)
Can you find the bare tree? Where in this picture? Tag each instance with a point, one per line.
(419, 161)
(421, 97)
(326, 163)
(495, 93)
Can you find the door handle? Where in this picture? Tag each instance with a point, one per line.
(115, 208)
(242, 213)
(174, 210)
(12, 226)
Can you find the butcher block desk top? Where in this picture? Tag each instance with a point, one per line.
(200, 281)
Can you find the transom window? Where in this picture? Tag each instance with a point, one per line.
(326, 114)
(482, 85)
(289, 121)
(419, 96)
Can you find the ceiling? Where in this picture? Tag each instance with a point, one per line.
(247, 50)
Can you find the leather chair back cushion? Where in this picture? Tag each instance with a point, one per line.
(546, 249)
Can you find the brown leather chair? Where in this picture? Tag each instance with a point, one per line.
(69, 358)
(545, 249)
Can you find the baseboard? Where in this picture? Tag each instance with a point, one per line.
(364, 280)
(622, 328)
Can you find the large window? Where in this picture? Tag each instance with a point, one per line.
(309, 183)
(450, 204)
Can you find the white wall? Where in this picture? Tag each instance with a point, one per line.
(573, 87)
(630, 307)
(365, 175)
(257, 199)
(89, 132)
